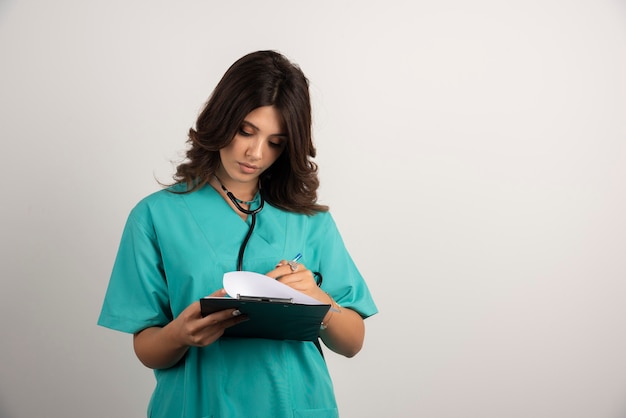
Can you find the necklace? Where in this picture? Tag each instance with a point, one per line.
(239, 202)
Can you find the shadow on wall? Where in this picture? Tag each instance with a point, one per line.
(5, 6)
(3, 411)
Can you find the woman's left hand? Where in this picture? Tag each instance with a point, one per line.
(346, 332)
(298, 277)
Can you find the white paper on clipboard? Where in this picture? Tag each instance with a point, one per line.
(247, 283)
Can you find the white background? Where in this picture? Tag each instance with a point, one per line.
(472, 152)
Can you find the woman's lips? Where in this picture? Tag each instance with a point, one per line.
(248, 168)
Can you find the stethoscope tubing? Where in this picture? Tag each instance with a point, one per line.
(244, 243)
(252, 213)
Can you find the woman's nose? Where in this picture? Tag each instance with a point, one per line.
(255, 149)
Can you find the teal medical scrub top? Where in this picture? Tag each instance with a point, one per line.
(174, 250)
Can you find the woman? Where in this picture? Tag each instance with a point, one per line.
(245, 198)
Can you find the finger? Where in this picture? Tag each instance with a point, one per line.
(192, 311)
(281, 263)
(274, 274)
(292, 267)
(235, 320)
(295, 280)
(287, 273)
(215, 330)
(302, 281)
(280, 270)
(225, 319)
(218, 293)
(216, 317)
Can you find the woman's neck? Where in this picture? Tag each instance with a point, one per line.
(244, 193)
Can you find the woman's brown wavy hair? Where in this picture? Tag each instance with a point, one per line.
(262, 78)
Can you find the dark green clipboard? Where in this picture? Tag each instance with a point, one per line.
(276, 319)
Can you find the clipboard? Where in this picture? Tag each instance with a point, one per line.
(271, 318)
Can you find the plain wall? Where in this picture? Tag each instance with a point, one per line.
(472, 153)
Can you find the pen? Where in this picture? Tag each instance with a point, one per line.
(293, 263)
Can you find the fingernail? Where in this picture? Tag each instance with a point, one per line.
(236, 312)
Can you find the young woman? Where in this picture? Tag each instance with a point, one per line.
(245, 198)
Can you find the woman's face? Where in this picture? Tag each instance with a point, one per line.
(257, 145)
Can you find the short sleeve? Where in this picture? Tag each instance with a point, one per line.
(341, 277)
(137, 296)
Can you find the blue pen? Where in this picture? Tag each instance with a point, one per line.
(296, 258)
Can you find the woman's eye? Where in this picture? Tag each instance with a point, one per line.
(243, 132)
(276, 144)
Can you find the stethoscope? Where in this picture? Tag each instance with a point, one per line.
(252, 213)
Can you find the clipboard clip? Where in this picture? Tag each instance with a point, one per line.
(264, 299)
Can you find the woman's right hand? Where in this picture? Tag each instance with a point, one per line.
(192, 329)
(163, 347)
